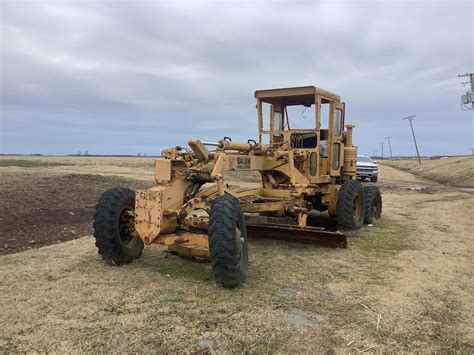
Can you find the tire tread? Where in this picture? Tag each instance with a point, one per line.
(106, 231)
(228, 269)
(345, 208)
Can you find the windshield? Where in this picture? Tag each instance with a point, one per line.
(365, 159)
(300, 116)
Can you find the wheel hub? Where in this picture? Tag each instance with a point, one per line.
(240, 241)
(357, 207)
(126, 226)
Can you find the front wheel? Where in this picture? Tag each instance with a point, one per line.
(228, 244)
(374, 178)
(350, 205)
(114, 229)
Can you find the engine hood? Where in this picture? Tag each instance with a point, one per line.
(365, 164)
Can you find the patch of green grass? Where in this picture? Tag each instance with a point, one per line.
(150, 296)
(163, 297)
(385, 236)
(6, 260)
(182, 268)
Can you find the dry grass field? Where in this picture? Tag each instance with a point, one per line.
(404, 284)
(453, 171)
(132, 168)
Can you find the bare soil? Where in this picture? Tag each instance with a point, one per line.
(402, 285)
(43, 209)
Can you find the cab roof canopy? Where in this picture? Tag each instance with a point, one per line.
(303, 95)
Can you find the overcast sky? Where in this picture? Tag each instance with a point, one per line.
(136, 76)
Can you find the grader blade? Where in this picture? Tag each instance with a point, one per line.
(308, 235)
(282, 231)
(286, 229)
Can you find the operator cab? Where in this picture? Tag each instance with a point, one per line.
(306, 118)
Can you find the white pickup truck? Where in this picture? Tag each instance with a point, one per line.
(366, 168)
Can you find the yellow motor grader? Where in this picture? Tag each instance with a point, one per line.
(195, 212)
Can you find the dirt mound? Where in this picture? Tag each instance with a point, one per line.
(38, 210)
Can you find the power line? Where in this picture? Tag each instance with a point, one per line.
(410, 118)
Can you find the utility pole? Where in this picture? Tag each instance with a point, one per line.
(471, 81)
(390, 147)
(410, 118)
(468, 98)
(382, 151)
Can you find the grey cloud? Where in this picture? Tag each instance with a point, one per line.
(114, 77)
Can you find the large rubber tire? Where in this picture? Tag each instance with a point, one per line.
(228, 244)
(350, 205)
(374, 179)
(114, 231)
(373, 204)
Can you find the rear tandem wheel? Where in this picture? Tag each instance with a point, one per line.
(350, 205)
(373, 204)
